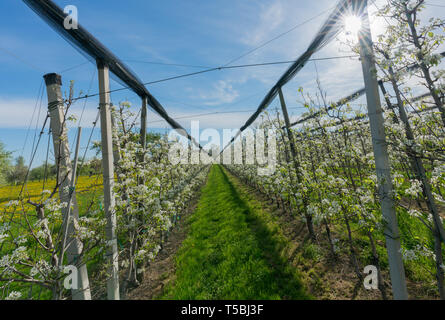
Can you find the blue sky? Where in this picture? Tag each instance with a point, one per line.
(198, 33)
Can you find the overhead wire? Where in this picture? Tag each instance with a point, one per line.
(79, 123)
(321, 43)
(32, 117)
(33, 155)
(278, 36)
(215, 69)
(434, 5)
(12, 54)
(29, 127)
(166, 64)
(88, 143)
(38, 118)
(88, 45)
(327, 32)
(216, 113)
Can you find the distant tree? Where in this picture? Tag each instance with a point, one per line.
(18, 172)
(5, 163)
(48, 171)
(38, 173)
(153, 137)
(91, 167)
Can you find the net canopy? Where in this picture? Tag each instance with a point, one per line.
(329, 30)
(90, 47)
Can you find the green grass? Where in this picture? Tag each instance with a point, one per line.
(231, 251)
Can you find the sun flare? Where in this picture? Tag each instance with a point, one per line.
(353, 24)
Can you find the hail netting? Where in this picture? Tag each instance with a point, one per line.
(328, 31)
(89, 46)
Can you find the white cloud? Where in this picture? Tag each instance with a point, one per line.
(18, 113)
(222, 92)
(217, 121)
(274, 19)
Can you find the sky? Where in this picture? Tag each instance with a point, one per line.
(194, 34)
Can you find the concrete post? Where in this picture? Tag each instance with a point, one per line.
(108, 180)
(62, 158)
(383, 170)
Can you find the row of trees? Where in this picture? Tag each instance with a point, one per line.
(330, 181)
(16, 172)
(151, 195)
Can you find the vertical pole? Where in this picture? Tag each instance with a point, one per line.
(116, 147)
(383, 170)
(287, 122)
(76, 156)
(63, 163)
(143, 133)
(108, 180)
(72, 189)
(388, 102)
(141, 180)
(296, 163)
(385, 95)
(290, 136)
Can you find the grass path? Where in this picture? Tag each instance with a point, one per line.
(232, 250)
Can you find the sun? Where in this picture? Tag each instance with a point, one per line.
(352, 24)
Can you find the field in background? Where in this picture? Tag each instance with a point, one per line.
(88, 190)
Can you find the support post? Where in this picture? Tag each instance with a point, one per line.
(143, 133)
(296, 163)
(287, 122)
(116, 147)
(383, 169)
(108, 180)
(388, 102)
(63, 163)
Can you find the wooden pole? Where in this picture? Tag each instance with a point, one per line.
(383, 170)
(296, 163)
(144, 123)
(287, 122)
(72, 189)
(388, 102)
(116, 147)
(108, 180)
(63, 163)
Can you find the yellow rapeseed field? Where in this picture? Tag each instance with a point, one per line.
(87, 189)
